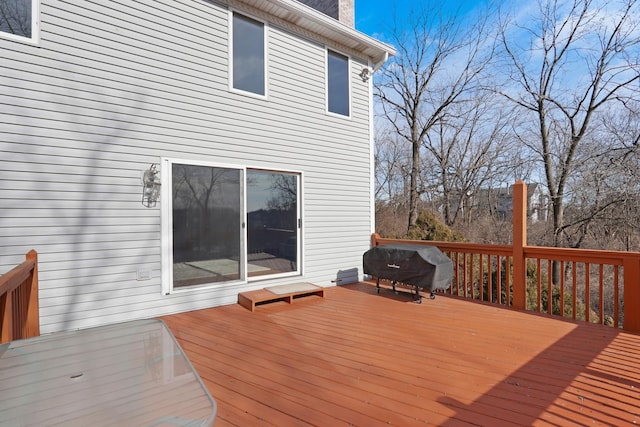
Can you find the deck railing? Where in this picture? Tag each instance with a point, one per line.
(588, 285)
(19, 312)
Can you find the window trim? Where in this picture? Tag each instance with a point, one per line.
(35, 27)
(349, 85)
(265, 27)
(166, 226)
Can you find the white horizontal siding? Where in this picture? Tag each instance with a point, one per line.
(115, 86)
(63, 121)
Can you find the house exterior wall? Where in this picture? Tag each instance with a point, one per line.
(113, 87)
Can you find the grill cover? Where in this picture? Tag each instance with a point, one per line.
(423, 266)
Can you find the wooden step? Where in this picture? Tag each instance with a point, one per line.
(287, 293)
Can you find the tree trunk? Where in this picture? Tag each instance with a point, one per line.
(414, 195)
(558, 222)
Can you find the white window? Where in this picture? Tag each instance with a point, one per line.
(248, 59)
(19, 19)
(338, 90)
(228, 224)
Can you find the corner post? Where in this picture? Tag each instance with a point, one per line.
(32, 321)
(519, 243)
(631, 291)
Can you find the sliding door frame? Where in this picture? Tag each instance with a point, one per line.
(166, 203)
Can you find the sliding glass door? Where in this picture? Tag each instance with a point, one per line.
(206, 213)
(215, 238)
(272, 222)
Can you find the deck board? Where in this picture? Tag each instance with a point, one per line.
(358, 358)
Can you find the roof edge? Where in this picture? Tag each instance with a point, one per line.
(341, 33)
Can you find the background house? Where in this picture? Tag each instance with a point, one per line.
(165, 156)
(499, 202)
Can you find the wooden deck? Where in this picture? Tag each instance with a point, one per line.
(357, 358)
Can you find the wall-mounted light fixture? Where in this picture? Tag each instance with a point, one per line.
(365, 74)
(151, 186)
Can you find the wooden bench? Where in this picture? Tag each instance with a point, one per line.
(287, 293)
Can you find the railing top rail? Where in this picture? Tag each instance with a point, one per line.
(454, 246)
(557, 254)
(16, 276)
(580, 255)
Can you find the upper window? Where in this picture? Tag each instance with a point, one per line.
(18, 19)
(248, 47)
(337, 83)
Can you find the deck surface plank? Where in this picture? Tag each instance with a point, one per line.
(362, 359)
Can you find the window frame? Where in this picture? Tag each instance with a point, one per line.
(35, 27)
(327, 83)
(265, 33)
(166, 235)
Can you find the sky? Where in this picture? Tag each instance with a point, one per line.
(375, 17)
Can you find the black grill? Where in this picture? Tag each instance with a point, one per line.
(423, 267)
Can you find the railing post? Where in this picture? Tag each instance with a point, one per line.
(631, 294)
(32, 321)
(374, 239)
(519, 198)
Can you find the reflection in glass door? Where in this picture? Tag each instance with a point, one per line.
(207, 234)
(272, 223)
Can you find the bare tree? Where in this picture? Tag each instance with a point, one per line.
(605, 199)
(623, 129)
(439, 61)
(592, 195)
(285, 193)
(390, 165)
(469, 151)
(578, 59)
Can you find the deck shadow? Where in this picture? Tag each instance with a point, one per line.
(578, 380)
